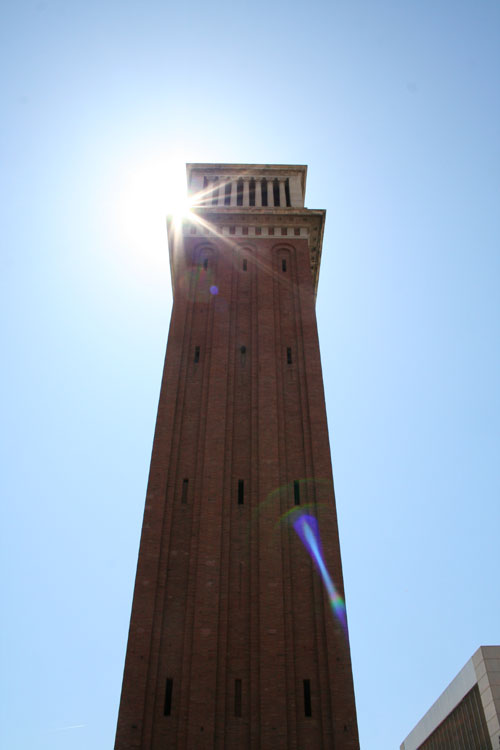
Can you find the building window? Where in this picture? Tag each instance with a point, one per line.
(289, 355)
(251, 194)
(263, 185)
(241, 491)
(185, 485)
(239, 193)
(205, 263)
(244, 264)
(167, 708)
(296, 492)
(307, 698)
(227, 194)
(296, 231)
(237, 698)
(283, 265)
(243, 355)
(287, 192)
(196, 354)
(215, 192)
(276, 191)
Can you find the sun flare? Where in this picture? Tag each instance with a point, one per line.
(150, 191)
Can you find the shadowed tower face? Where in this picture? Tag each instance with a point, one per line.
(238, 636)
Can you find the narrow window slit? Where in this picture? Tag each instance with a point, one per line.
(196, 354)
(185, 485)
(283, 265)
(289, 355)
(276, 191)
(251, 194)
(237, 697)
(296, 492)
(307, 698)
(264, 192)
(205, 263)
(244, 264)
(167, 708)
(241, 491)
(287, 192)
(215, 192)
(227, 194)
(239, 193)
(207, 188)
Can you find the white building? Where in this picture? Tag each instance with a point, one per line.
(466, 716)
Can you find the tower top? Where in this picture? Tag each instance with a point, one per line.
(201, 175)
(243, 202)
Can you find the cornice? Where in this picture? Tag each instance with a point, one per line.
(214, 218)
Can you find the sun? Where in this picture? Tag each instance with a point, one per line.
(151, 189)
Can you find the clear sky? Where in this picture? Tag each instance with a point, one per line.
(394, 105)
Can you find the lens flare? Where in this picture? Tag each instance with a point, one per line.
(198, 284)
(306, 528)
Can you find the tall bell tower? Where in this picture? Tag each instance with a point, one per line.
(238, 636)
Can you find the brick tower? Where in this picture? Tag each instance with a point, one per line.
(233, 642)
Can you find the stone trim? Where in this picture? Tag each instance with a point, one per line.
(232, 230)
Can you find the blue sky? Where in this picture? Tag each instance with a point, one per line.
(395, 108)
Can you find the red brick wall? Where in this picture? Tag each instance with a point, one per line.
(224, 591)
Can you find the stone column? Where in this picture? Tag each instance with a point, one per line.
(258, 192)
(246, 192)
(270, 192)
(296, 197)
(224, 182)
(282, 193)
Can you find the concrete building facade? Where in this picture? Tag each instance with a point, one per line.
(466, 716)
(233, 642)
